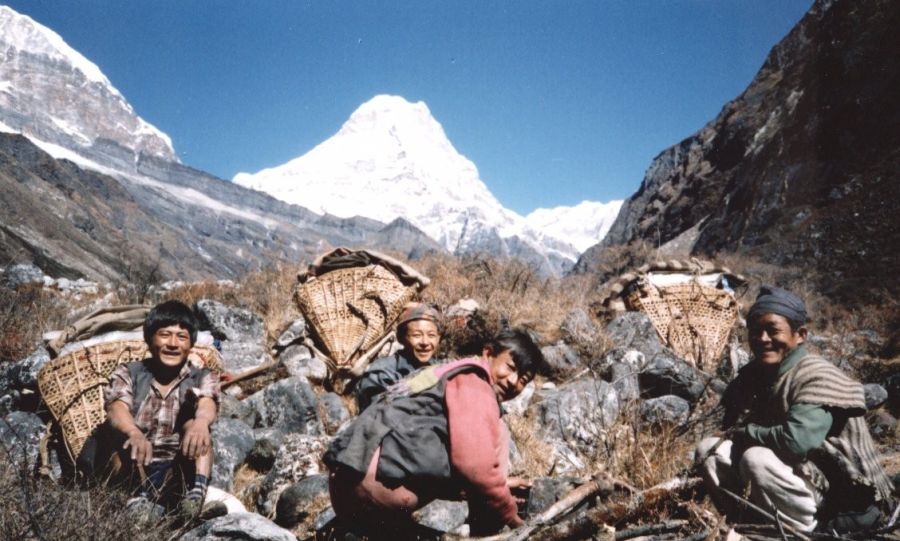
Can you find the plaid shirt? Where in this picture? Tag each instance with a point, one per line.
(157, 414)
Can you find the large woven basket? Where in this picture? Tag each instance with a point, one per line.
(694, 319)
(350, 311)
(72, 385)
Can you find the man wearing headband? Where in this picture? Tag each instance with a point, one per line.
(795, 431)
(419, 330)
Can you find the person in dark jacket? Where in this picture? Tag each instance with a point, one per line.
(419, 330)
(435, 434)
(795, 430)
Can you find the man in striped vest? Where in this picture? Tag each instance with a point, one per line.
(795, 432)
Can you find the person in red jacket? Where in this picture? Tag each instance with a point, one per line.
(436, 434)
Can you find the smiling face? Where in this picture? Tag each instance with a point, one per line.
(771, 338)
(508, 381)
(421, 339)
(171, 345)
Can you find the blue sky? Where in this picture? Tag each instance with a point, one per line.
(555, 102)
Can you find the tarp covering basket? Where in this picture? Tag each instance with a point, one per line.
(692, 305)
(350, 300)
(72, 384)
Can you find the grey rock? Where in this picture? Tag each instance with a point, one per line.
(882, 424)
(579, 328)
(289, 405)
(664, 373)
(298, 501)
(295, 332)
(442, 515)
(232, 408)
(241, 356)
(545, 491)
(239, 526)
(578, 412)
(665, 410)
(20, 436)
(334, 412)
(232, 441)
(876, 395)
(265, 451)
(624, 378)
(21, 274)
(324, 518)
(300, 361)
(561, 360)
(227, 323)
(23, 374)
(297, 459)
(634, 330)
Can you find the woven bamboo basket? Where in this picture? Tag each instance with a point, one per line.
(350, 311)
(72, 385)
(694, 320)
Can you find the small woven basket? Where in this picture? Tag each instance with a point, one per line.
(72, 385)
(695, 320)
(350, 310)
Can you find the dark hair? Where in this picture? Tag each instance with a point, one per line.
(522, 348)
(170, 313)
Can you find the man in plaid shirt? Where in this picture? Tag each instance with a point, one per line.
(162, 407)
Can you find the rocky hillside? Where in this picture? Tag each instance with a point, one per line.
(74, 222)
(800, 168)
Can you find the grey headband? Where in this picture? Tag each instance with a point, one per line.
(774, 300)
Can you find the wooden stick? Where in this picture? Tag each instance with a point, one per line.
(251, 372)
(651, 529)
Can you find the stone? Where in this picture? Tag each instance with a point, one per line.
(665, 373)
(232, 408)
(665, 410)
(289, 405)
(334, 412)
(578, 328)
(297, 459)
(442, 515)
(265, 449)
(876, 395)
(239, 526)
(23, 374)
(624, 378)
(323, 520)
(882, 424)
(227, 323)
(519, 405)
(578, 412)
(300, 361)
(295, 332)
(634, 330)
(560, 361)
(20, 438)
(232, 442)
(545, 491)
(21, 274)
(297, 502)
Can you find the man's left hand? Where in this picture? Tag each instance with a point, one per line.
(196, 441)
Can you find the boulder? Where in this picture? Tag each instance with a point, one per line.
(232, 408)
(21, 274)
(265, 450)
(665, 410)
(577, 413)
(294, 333)
(297, 459)
(665, 373)
(242, 334)
(561, 361)
(442, 515)
(334, 412)
(239, 526)
(579, 329)
(624, 377)
(634, 330)
(20, 438)
(300, 500)
(23, 374)
(876, 395)
(882, 424)
(232, 442)
(289, 405)
(300, 361)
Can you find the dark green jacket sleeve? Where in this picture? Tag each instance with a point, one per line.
(805, 429)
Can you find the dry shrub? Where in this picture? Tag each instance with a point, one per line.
(35, 508)
(646, 456)
(507, 290)
(247, 482)
(535, 452)
(25, 313)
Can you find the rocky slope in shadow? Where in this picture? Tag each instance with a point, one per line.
(74, 223)
(800, 169)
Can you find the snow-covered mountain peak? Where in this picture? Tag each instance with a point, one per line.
(51, 93)
(29, 35)
(583, 225)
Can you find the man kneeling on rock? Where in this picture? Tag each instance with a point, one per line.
(159, 411)
(796, 434)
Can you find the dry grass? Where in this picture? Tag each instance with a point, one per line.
(25, 313)
(536, 454)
